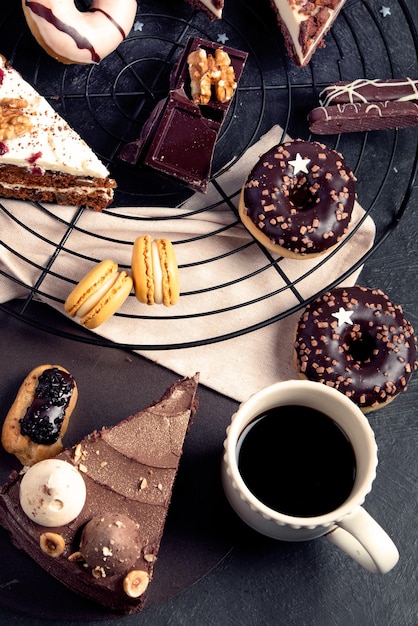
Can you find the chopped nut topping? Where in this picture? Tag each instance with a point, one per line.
(207, 72)
(98, 572)
(77, 453)
(13, 121)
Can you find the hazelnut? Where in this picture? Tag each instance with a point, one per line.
(52, 544)
(135, 583)
(76, 557)
(150, 558)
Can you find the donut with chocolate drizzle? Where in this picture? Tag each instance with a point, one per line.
(70, 35)
(298, 199)
(356, 340)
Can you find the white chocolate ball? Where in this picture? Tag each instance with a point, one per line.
(52, 492)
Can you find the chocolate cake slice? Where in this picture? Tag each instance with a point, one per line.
(107, 553)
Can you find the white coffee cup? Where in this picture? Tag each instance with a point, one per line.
(348, 526)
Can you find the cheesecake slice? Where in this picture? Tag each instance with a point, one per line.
(41, 157)
(107, 552)
(304, 25)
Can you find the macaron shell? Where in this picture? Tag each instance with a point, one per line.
(169, 267)
(142, 271)
(91, 282)
(110, 302)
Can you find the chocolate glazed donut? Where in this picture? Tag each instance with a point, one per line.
(356, 340)
(298, 199)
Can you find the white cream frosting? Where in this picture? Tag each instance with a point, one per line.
(59, 147)
(52, 492)
(293, 16)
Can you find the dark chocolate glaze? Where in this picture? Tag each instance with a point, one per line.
(304, 213)
(362, 117)
(371, 359)
(114, 22)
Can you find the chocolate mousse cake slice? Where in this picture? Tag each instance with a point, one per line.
(41, 157)
(107, 553)
(304, 25)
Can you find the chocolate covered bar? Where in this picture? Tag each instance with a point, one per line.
(179, 137)
(365, 105)
(370, 90)
(362, 117)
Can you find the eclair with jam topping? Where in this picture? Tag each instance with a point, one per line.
(39, 416)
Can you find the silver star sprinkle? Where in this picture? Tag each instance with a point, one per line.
(343, 316)
(299, 164)
(222, 38)
(385, 11)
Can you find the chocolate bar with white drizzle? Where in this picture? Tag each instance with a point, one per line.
(365, 105)
(370, 90)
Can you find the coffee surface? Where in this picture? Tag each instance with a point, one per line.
(297, 460)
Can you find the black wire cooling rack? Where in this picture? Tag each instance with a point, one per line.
(109, 103)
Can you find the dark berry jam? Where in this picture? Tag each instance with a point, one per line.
(36, 171)
(3, 148)
(34, 157)
(44, 417)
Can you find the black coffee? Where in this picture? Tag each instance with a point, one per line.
(297, 460)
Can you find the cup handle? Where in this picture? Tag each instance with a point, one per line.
(361, 537)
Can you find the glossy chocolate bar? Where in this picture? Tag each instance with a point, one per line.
(361, 117)
(365, 105)
(179, 137)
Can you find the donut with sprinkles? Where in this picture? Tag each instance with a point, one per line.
(298, 199)
(355, 340)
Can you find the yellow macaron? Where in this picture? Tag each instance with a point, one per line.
(155, 271)
(99, 294)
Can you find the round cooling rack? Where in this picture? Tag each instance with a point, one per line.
(109, 103)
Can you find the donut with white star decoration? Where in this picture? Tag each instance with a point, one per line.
(355, 340)
(298, 199)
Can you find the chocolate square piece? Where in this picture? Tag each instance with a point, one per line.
(179, 137)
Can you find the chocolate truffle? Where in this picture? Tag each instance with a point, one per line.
(110, 544)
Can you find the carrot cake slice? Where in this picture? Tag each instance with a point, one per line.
(41, 157)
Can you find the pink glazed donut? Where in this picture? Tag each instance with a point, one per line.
(73, 36)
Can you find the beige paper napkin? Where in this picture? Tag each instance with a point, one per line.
(228, 282)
